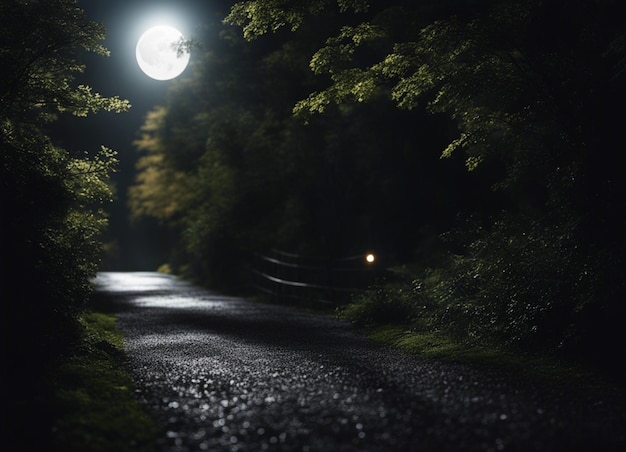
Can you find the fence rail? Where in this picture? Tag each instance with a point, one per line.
(312, 280)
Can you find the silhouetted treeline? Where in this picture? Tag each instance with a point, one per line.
(475, 145)
(51, 200)
(226, 162)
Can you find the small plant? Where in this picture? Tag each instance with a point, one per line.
(382, 305)
(93, 396)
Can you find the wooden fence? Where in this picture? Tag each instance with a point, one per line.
(313, 280)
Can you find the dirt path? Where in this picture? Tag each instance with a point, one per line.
(225, 374)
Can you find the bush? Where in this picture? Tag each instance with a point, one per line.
(529, 285)
(393, 304)
(51, 199)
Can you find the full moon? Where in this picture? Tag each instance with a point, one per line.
(156, 53)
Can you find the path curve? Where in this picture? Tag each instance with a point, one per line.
(225, 374)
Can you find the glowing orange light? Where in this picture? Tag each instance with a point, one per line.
(370, 258)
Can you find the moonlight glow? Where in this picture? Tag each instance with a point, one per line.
(156, 53)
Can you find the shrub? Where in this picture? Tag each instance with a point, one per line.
(381, 305)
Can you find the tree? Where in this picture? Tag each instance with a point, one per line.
(160, 191)
(256, 177)
(199, 172)
(52, 201)
(532, 87)
(260, 17)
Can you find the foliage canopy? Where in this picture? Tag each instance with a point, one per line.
(342, 124)
(52, 199)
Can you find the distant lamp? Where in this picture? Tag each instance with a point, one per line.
(370, 258)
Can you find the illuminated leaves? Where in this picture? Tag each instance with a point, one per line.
(160, 191)
(89, 177)
(474, 71)
(85, 101)
(39, 44)
(340, 50)
(351, 85)
(532, 89)
(52, 201)
(258, 17)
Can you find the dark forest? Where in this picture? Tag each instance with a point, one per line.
(474, 146)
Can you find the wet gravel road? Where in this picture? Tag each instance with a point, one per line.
(225, 374)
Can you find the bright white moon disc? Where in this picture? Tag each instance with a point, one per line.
(156, 53)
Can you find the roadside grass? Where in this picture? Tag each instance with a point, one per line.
(95, 408)
(533, 367)
(93, 395)
(414, 338)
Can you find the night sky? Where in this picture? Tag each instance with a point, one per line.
(119, 75)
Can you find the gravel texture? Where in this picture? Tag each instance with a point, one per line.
(224, 374)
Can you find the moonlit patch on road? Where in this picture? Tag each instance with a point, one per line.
(179, 302)
(136, 281)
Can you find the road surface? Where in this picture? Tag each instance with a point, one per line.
(224, 374)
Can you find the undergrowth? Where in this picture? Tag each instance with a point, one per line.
(432, 315)
(93, 395)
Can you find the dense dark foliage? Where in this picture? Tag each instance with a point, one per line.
(227, 164)
(51, 200)
(328, 140)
